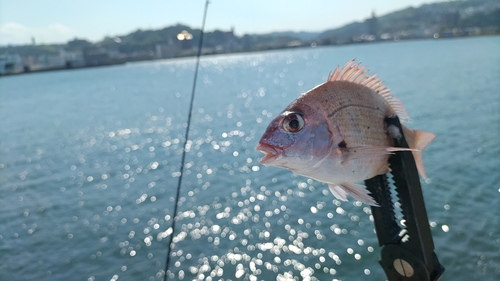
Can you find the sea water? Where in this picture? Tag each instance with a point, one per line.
(90, 159)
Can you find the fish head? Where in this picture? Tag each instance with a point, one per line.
(296, 139)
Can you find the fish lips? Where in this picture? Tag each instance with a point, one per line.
(271, 153)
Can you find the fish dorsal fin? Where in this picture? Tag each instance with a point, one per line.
(354, 73)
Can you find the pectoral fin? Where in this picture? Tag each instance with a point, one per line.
(359, 192)
(338, 192)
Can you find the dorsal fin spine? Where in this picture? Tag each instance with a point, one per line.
(353, 70)
(358, 74)
(334, 74)
(369, 79)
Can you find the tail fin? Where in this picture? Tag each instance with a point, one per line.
(419, 141)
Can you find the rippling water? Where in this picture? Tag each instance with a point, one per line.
(89, 163)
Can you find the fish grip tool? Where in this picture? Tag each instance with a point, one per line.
(407, 251)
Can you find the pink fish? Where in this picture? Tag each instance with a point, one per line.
(335, 133)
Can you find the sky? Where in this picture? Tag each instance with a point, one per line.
(58, 21)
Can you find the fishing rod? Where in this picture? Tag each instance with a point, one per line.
(186, 137)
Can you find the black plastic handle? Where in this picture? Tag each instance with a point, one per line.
(407, 249)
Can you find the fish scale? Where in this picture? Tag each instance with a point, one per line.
(356, 133)
(361, 114)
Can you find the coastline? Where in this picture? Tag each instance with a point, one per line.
(206, 52)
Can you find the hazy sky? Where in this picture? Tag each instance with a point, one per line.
(57, 21)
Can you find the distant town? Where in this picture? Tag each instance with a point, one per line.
(433, 21)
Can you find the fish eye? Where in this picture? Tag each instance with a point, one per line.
(293, 122)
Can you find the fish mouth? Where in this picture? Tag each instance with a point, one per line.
(270, 153)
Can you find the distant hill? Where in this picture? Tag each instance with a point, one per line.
(305, 36)
(436, 17)
(141, 40)
(411, 22)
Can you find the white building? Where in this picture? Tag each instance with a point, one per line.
(11, 64)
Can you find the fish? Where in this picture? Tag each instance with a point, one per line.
(335, 133)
